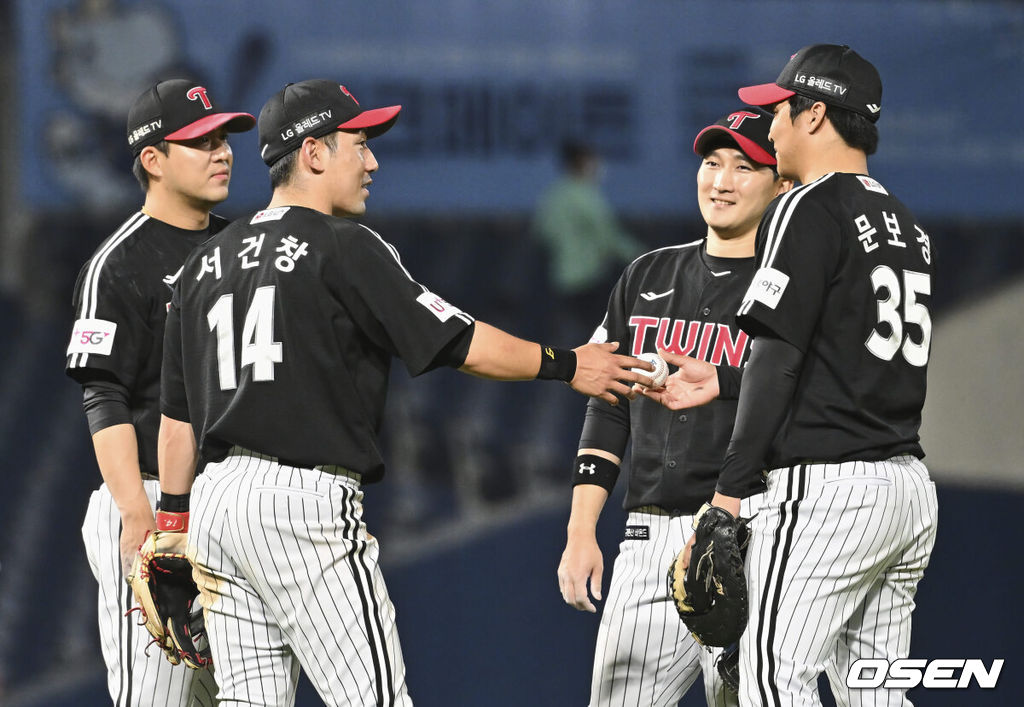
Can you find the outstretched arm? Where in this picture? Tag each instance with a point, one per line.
(591, 369)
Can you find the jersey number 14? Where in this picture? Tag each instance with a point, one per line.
(259, 349)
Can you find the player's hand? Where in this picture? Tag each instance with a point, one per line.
(685, 562)
(727, 503)
(581, 561)
(695, 383)
(601, 373)
(133, 534)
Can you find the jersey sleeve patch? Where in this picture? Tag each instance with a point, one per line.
(438, 306)
(766, 287)
(92, 336)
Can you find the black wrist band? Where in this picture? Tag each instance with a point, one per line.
(595, 470)
(556, 364)
(173, 502)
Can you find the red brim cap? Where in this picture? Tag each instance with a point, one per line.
(750, 148)
(374, 121)
(764, 94)
(235, 122)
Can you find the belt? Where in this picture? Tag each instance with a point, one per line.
(237, 451)
(658, 511)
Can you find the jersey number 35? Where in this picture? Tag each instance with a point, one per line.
(885, 282)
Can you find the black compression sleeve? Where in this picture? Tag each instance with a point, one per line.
(105, 404)
(729, 378)
(768, 383)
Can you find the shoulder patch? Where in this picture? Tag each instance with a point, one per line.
(766, 287)
(275, 214)
(438, 306)
(92, 336)
(871, 184)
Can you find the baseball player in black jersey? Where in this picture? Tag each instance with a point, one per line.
(183, 163)
(832, 397)
(682, 299)
(279, 341)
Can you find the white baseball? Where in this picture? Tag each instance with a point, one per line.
(660, 372)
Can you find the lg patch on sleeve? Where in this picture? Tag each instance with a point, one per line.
(438, 306)
(767, 287)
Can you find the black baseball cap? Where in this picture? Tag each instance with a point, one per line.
(832, 73)
(178, 109)
(315, 108)
(747, 128)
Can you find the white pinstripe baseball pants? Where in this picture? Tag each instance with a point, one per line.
(832, 568)
(134, 679)
(645, 657)
(289, 577)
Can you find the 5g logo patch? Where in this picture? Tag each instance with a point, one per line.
(92, 336)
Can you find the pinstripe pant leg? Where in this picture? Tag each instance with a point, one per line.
(644, 655)
(298, 583)
(134, 678)
(254, 664)
(822, 546)
(881, 628)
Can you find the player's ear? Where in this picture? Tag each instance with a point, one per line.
(312, 153)
(151, 160)
(782, 185)
(816, 116)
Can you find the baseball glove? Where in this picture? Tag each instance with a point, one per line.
(729, 668)
(711, 594)
(161, 578)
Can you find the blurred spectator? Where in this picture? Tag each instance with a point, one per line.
(585, 243)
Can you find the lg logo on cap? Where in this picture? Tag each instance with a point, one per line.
(199, 94)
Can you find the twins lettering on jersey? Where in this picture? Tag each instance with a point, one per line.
(288, 248)
(713, 342)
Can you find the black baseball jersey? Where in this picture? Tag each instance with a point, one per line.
(281, 334)
(120, 301)
(684, 301)
(845, 275)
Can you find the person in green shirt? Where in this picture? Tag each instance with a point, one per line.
(585, 243)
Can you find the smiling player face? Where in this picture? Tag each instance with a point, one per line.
(733, 192)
